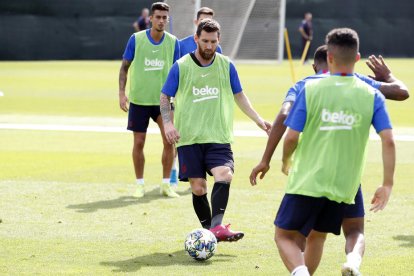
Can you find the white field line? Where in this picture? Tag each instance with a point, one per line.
(114, 129)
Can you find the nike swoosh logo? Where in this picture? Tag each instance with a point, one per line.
(221, 209)
(154, 51)
(203, 221)
(205, 75)
(339, 83)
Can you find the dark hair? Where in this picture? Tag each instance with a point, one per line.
(343, 43)
(320, 55)
(161, 6)
(205, 10)
(208, 25)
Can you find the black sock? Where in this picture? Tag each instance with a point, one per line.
(202, 209)
(219, 199)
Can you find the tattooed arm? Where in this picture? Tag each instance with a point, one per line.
(171, 133)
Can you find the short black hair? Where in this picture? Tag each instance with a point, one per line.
(343, 43)
(205, 10)
(161, 6)
(208, 25)
(320, 55)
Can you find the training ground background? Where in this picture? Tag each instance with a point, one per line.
(66, 181)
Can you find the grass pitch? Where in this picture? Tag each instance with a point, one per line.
(65, 196)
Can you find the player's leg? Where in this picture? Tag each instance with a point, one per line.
(353, 227)
(294, 221)
(303, 214)
(174, 169)
(354, 234)
(220, 163)
(166, 160)
(289, 245)
(314, 249)
(200, 201)
(138, 154)
(354, 246)
(138, 119)
(191, 161)
(329, 220)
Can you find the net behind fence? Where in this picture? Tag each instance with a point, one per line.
(250, 29)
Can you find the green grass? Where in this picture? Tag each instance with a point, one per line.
(65, 197)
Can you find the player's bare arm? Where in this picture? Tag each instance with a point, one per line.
(244, 104)
(391, 87)
(123, 73)
(276, 133)
(171, 133)
(289, 147)
(381, 196)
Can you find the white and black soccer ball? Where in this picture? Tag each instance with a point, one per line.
(200, 244)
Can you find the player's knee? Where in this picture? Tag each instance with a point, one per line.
(198, 188)
(139, 145)
(168, 147)
(353, 227)
(225, 175)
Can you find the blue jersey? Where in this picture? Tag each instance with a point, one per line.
(297, 116)
(293, 92)
(171, 85)
(188, 45)
(130, 48)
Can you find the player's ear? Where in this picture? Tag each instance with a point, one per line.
(358, 57)
(196, 37)
(196, 22)
(329, 57)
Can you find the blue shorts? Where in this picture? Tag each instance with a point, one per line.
(304, 213)
(139, 115)
(198, 159)
(356, 210)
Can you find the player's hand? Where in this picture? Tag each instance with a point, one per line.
(379, 68)
(261, 168)
(123, 102)
(266, 126)
(381, 197)
(286, 165)
(171, 134)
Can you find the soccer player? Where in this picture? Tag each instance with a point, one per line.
(205, 85)
(306, 32)
(150, 54)
(334, 114)
(143, 22)
(188, 44)
(353, 223)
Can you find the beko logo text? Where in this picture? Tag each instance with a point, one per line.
(205, 91)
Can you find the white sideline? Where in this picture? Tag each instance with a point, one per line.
(114, 129)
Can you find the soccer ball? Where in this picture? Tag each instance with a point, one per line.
(200, 244)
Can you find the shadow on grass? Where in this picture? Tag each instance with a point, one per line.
(407, 239)
(122, 201)
(179, 257)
